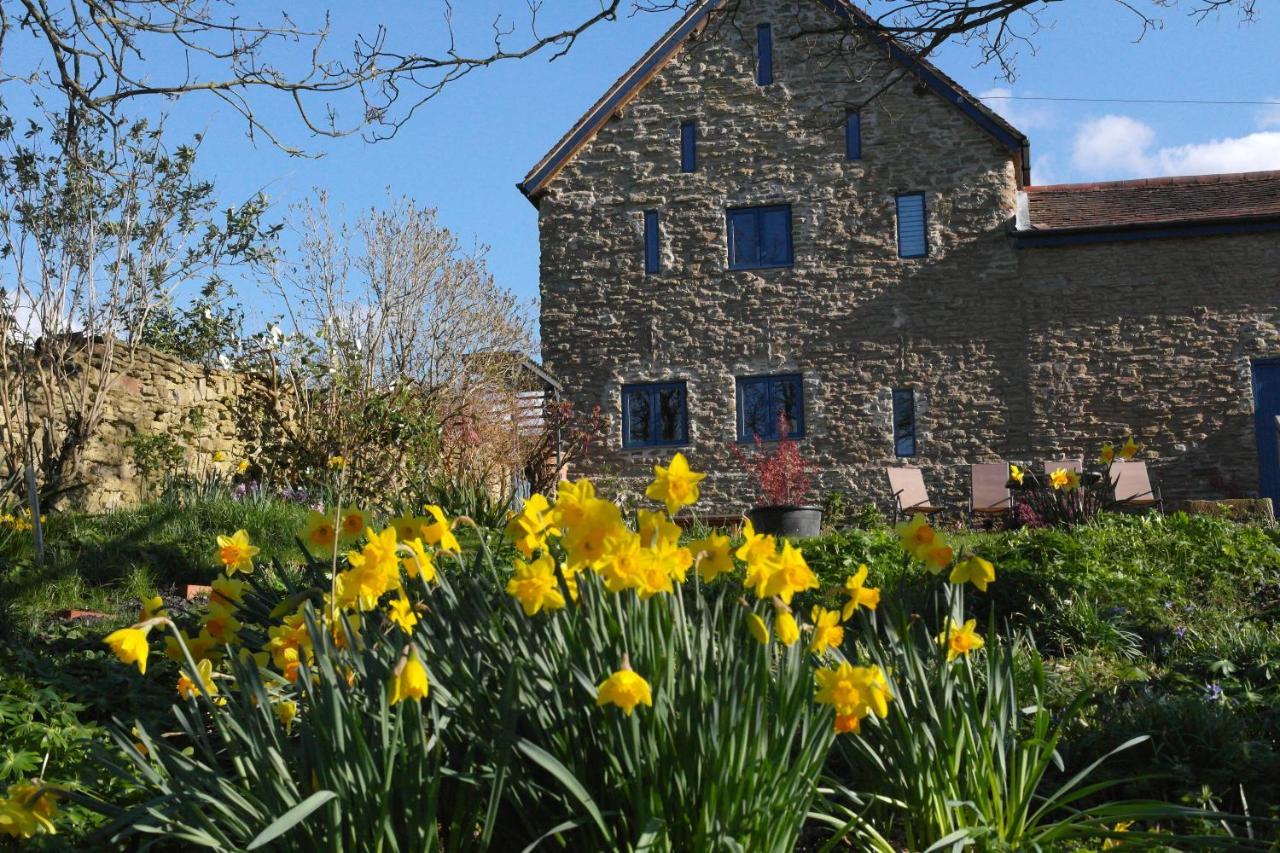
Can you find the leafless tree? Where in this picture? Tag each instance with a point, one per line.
(101, 56)
(399, 340)
(88, 247)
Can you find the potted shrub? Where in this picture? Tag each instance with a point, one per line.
(782, 485)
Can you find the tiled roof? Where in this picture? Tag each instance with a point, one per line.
(1238, 197)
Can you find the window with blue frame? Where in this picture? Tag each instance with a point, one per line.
(853, 136)
(689, 147)
(913, 240)
(652, 259)
(654, 414)
(904, 422)
(771, 407)
(759, 237)
(764, 55)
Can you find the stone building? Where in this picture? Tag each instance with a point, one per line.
(777, 211)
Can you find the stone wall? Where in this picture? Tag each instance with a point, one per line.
(1014, 354)
(154, 393)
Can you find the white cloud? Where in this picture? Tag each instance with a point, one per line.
(1044, 170)
(1113, 145)
(1269, 116)
(1117, 146)
(1024, 115)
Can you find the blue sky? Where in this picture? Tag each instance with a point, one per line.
(464, 151)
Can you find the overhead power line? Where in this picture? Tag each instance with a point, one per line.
(1125, 100)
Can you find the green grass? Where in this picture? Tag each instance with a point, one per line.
(105, 563)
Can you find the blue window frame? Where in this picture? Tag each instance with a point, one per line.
(904, 422)
(913, 239)
(759, 237)
(764, 54)
(771, 407)
(654, 414)
(689, 146)
(652, 261)
(853, 136)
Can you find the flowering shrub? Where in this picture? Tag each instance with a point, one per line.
(611, 686)
(781, 477)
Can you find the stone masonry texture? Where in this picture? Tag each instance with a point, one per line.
(1014, 354)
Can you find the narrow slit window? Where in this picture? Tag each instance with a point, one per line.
(904, 422)
(764, 54)
(652, 261)
(853, 136)
(689, 147)
(913, 240)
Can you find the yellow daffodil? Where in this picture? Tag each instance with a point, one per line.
(236, 553)
(242, 466)
(318, 534)
(221, 624)
(1130, 448)
(417, 561)
(785, 624)
(859, 594)
(535, 585)
(827, 633)
(130, 646)
(714, 556)
(1016, 474)
(848, 724)
(438, 531)
(375, 569)
(623, 561)
(529, 528)
(1064, 478)
(337, 461)
(200, 647)
(974, 570)
(625, 689)
(654, 527)
(962, 640)
(352, 521)
(584, 541)
(572, 500)
(673, 560)
(227, 592)
(151, 608)
(27, 811)
(401, 613)
(1121, 826)
(1108, 453)
(916, 536)
(853, 690)
(286, 712)
(937, 556)
(791, 576)
(187, 688)
(219, 456)
(675, 485)
(410, 680)
(408, 526)
(758, 629)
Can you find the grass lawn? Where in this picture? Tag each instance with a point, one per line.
(1173, 623)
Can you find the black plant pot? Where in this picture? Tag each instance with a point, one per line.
(803, 522)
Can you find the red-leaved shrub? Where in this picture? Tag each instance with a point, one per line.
(781, 477)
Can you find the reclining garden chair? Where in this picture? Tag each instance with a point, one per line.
(1132, 484)
(1076, 464)
(989, 489)
(909, 493)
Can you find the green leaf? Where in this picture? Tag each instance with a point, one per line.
(291, 818)
(552, 765)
